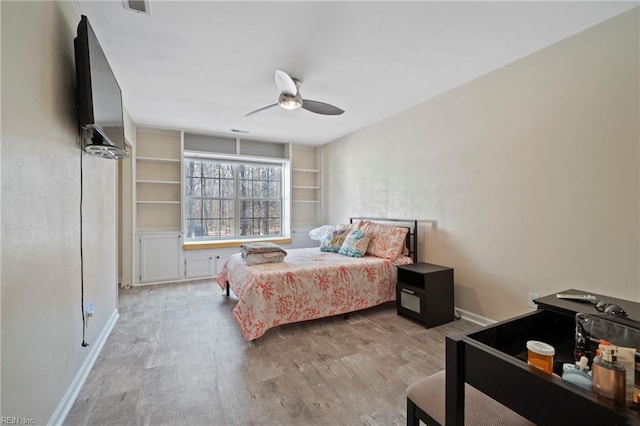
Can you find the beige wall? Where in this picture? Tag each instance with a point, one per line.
(41, 311)
(531, 173)
(0, 235)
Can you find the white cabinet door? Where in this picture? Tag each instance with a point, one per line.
(199, 266)
(221, 256)
(300, 237)
(160, 257)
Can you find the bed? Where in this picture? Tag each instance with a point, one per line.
(311, 284)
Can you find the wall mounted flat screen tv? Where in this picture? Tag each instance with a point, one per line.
(99, 97)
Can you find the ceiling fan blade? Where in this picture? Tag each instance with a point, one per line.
(285, 83)
(260, 109)
(321, 107)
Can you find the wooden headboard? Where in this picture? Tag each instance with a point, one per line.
(411, 224)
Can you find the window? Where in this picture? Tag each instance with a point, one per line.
(228, 199)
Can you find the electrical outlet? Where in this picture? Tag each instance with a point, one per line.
(531, 297)
(88, 313)
(175, 195)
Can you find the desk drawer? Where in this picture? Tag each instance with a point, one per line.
(511, 336)
(493, 360)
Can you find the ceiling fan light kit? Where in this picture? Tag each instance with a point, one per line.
(291, 99)
(290, 102)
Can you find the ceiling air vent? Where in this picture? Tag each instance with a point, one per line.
(140, 6)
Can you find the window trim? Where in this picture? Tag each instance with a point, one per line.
(236, 240)
(210, 244)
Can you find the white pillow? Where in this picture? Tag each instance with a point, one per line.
(318, 234)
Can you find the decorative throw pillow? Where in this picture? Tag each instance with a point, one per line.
(355, 244)
(344, 227)
(387, 241)
(333, 241)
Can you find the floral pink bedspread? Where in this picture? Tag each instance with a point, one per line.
(309, 284)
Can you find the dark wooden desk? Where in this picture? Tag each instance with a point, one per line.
(493, 360)
(571, 307)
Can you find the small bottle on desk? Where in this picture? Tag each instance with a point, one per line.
(577, 374)
(540, 355)
(609, 380)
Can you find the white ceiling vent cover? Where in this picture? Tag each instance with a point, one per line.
(139, 6)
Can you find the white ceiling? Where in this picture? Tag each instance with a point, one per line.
(202, 66)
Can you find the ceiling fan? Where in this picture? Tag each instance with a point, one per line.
(290, 98)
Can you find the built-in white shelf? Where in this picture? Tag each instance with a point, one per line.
(305, 170)
(160, 230)
(157, 202)
(158, 160)
(305, 187)
(172, 182)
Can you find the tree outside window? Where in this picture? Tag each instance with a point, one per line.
(226, 199)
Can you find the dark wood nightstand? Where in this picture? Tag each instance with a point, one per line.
(425, 292)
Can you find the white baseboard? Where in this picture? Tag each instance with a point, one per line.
(70, 396)
(178, 281)
(475, 318)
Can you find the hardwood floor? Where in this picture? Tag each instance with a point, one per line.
(176, 356)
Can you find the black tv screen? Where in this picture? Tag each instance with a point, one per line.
(99, 97)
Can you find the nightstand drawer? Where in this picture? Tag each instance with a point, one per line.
(410, 301)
